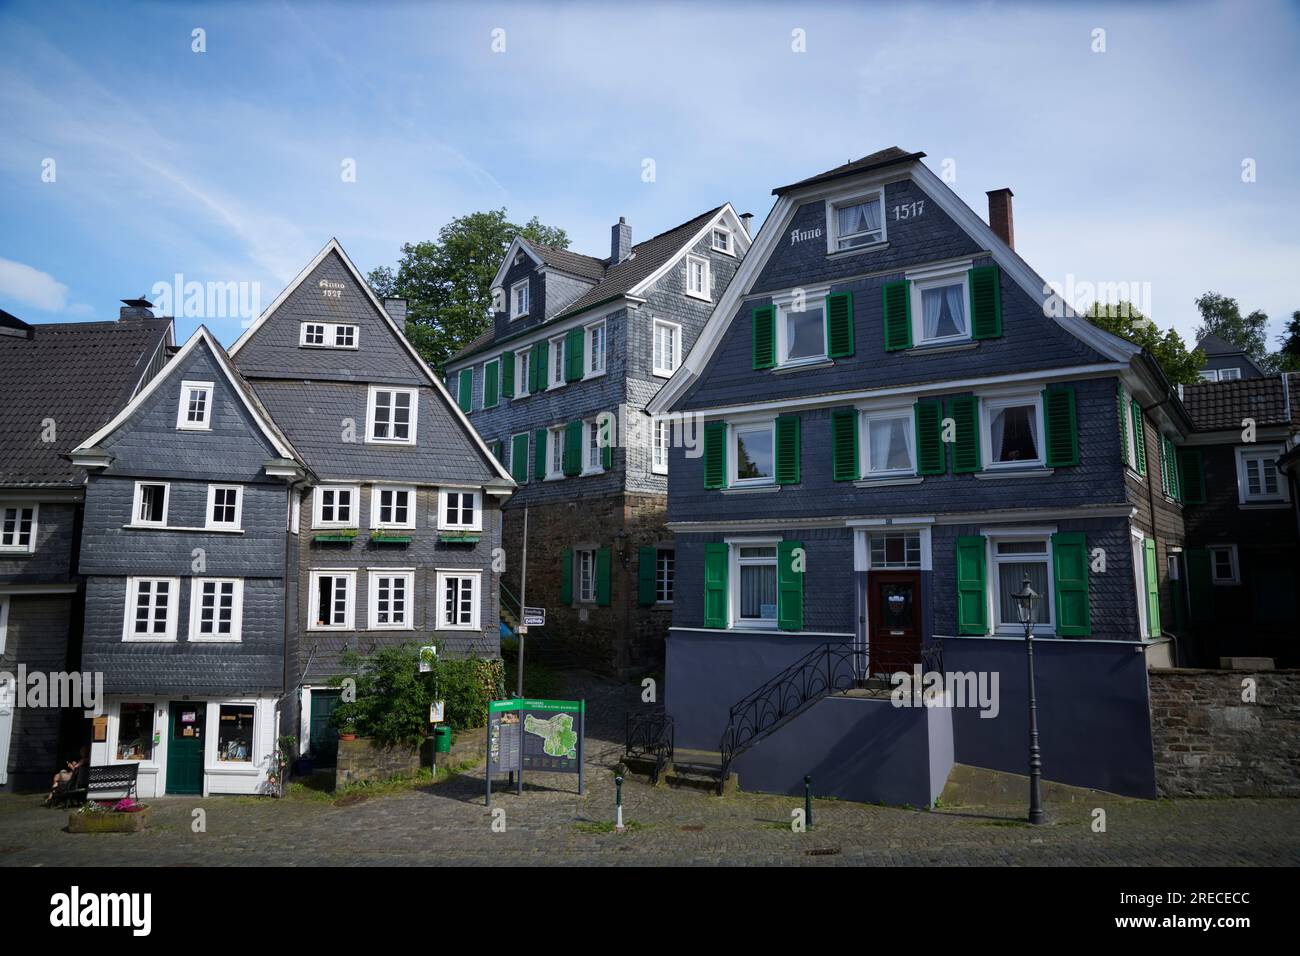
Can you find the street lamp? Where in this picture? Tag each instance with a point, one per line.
(1026, 600)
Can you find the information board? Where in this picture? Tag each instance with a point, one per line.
(540, 735)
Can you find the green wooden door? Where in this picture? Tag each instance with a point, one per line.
(185, 747)
(324, 739)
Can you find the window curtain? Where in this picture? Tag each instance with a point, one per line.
(954, 314)
(891, 445)
(864, 217)
(757, 589)
(1014, 437)
(1010, 577)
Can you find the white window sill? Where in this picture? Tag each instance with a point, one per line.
(553, 478)
(219, 529)
(391, 627)
(660, 373)
(886, 482)
(858, 250)
(177, 527)
(589, 375)
(194, 428)
(1018, 630)
(1262, 505)
(410, 443)
(588, 472)
(801, 366)
(336, 348)
(195, 639)
(21, 551)
(752, 626)
(1015, 473)
(662, 472)
(457, 627)
(150, 640)
(455, 530)
(697, 296)
(554, 385)
(234, 770)
(751, 489)
(938, 348)
(335, 627)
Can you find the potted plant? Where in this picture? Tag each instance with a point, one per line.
(349, 730)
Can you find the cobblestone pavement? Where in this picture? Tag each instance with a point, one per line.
(447, 823)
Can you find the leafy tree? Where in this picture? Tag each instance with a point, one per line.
(447, 282)
(1287, 358)
(1167, 348)
(1222, 316)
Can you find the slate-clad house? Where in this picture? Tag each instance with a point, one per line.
(393, 543)
(577, 337)
(1225, 362)
(184, 549)
(58, 383)
(901, 423)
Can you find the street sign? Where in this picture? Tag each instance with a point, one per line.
(525, 733)
(535, 617)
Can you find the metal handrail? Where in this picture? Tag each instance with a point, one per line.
(650, 734)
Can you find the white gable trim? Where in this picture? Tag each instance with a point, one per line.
(333, 246)
(201, 334)
(516, 245)
(741, 247)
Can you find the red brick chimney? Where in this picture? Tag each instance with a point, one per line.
(1000, 215)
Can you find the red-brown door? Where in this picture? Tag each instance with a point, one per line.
(894, 621)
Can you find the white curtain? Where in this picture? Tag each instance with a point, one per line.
(999, 431)
(932, 308)
(757, 590)
(952, 298)
(864, 217)
(890, 445)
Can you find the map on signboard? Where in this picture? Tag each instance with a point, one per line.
(559, 739)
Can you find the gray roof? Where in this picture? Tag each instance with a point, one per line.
(574, 263)
(1211, 344)
(890, 156)
(1222, 405)
(79, 374)
(11, 324)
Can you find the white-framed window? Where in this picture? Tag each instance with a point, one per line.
(698, 284)
(896, 550)
(460, 511)
(941, 309)
(855, 221)
(236, 733)
(391, 415)
(1130, 429)
(328, 335)
(753, 598)
(585, 570)
(225, 507)
(523, 359)
(721, 240)
(665, 562)
(392, 507)
(1257, 477)
(345, 336)
(519, 299)
(333, 600)
(1223, 565)
(801, 332)
(1011, 430)
(216, 609)
(666, 347)
(555, 452)
(335, 506)
(661, 440)
(151, 607)
(18, 526)
(150, 506)
(555, 371)
(4, 621)
(1012, 558)
(312, 334)
(458, 600)
(593, 453)
(888, 442)
(1208, 375)
(391, 591)
(1229, 374)
(751, 456)
(595, 349)
(194, 412)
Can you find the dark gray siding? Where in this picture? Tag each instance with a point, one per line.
(52, 560)
(39, 627)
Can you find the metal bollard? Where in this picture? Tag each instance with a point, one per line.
(807, 801)
(618, 803)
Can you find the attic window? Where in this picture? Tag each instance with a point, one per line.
(856, 221)
(327, 335)
(519, 299)
(195, 410)
(721, 240)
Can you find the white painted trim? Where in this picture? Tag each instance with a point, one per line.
(517, 245)
(675, 339)
(236, 612)
(524, 284)
(20, 507)
(372, 598)
(183, 407)
(375, 495)
(4, 634)
(354, 507)
(313, 608)
(854, 198)
(209, 524)
(8, 704)
(412, 428)
(173, 608)
(734, 620)
(19, 589)
(445, 525)
(1235, 578)
(993, 580)
(589, 369)
(1272, 453)
(780, 522)
(470, 574)
(733, 458)
(137, 499)
(329, 334)
(988, 402)
(931, 278)
(706, 275)
(885, 412)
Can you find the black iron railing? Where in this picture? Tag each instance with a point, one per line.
(650, 735)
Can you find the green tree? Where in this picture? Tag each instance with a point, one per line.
(1222, 316)
(1167, 348)
(447, 282)
(1287, 358)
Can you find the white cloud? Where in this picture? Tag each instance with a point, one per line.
(31, 286)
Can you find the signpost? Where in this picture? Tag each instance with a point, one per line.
(547, 735)
(534, 617)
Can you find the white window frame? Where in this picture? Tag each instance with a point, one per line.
(832, 220)
(1130, 430)
(734, 564)
(4, 621)
(305, 329)
(706, 277)
(555, 366)
(590, 368)
(20, 507)
(996, 536)
(728, 246)
(445, 525)
(665, 581)
(873, 534)
(523, 360)
(555, 453)
(590, 434)
(317, 507)
(372, 403)
(675, 343)
(372, 598)
(661, 440)
(376, 506)
(182, 412)
(465, 574)
(236, 611)
(313, 605)
(137, 499)
(733, 459)
(884, 413)
(1234, 578)
(919, 284)
(1138, 546)
(783, 304)
(1261, 452)
(329, 335)
(993, 401)
(581, 594)
(342, 326)
(515, 311)
(211, 523)
(173, 610)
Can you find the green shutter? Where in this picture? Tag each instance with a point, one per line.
(985, 303)
(537, 381)
(602, 577)
(972, 596)
(465, 390)
(1200, 586)
(491, 372)
(764, 334)
(574, 343)
(966, 442)
(844, 445)
(519, 458)
(789, 586)
(1122, 405)
(540, 437)
(787, 449)
(646, 560)
(573, 448)
(898, 316)
(1170, 456)
(715, 455)
(566, 576)
(1152, 577)
(715, 585)
(1070, 568)
(606, 450)
(1191, 466)
(930, 458)
(839, 324)
(1139, 438)
(1062, 428)
(508, 374)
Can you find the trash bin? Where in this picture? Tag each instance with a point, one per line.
(442, 740)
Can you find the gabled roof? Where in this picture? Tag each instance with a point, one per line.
(574, 263)
(77, 374)
(1211, 344)
(889, 156)
(12, 325)
(1222, 405)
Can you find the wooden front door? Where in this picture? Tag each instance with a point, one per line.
(894, 620)
(185, 746)
(323, 740)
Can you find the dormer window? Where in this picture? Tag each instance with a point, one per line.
(327, 335)
(519, 299)
(856, 221)
(195, 411)
(722, 240)
(697, 277)
(390, 419)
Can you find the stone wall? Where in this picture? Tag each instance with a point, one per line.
(360, 760)
(1209, 742)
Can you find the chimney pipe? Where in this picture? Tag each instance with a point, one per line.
(746, 219)
(1000, 218)
(396, 309)
(620, 241)
(139, 308)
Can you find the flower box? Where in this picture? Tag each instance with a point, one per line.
(387, 537)
(341, 536)
(109, 821)
(454, 538)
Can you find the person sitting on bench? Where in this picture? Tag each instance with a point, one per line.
(67, 778)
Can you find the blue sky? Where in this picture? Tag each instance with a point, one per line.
(225, 166)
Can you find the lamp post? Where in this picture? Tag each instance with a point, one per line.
(1026, 600)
